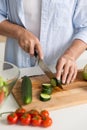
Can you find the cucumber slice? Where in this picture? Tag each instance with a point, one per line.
(46, 86)
(47, 91)
(55, 82)
(45, 97)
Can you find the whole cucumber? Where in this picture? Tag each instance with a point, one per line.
(26, 90)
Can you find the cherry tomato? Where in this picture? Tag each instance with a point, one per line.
(12, 118)
(44, 113)
(20, 112)
(46, 122)
(2, 95)
(33, 112)
(36, 120)
(25, 119)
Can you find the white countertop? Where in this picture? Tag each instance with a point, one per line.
(71, 118)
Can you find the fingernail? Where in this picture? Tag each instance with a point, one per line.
(63, 81)
(42, 57)
(58, 78)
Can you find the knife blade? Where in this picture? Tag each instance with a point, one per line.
(45, 68)
(47, 71)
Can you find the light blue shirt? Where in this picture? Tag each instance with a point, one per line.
(61, 22)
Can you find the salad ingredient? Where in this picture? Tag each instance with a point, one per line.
(25, 119)
(26, 90)
(84, 74)
(45, 97)
(12, 118)
(20, 112)
(47, 88)
(44, 113)
(36, 120)
(55, 82)
(33, 112)
(46, 122)
(2, 96)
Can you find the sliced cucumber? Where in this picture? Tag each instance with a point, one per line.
(55, 82)
(45, 97)
(47, 91)
(47, 88)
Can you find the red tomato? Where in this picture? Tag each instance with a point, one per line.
(33, 112)
(36, 120)
(46, 122)
(20, 112)
(44, 113)
(2, 95)
(12, 118)
(25, 119)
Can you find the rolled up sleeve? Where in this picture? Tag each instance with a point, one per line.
(80, 21)
(3, 10)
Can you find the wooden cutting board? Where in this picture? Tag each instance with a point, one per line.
(72, 94)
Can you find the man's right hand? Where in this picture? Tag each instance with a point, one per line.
(30, 43)
(27, 41)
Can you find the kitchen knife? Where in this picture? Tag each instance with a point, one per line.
(45, 68)
(47, 71)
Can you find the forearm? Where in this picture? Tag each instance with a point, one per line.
(76, 49)
(10, 30)
(27, 40)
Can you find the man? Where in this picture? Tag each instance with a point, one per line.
(56, 29)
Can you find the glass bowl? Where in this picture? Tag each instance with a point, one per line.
(9, 74)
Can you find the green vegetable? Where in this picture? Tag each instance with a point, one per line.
(45, 97)
(5, 89)
(84, 73)
(55, 82)
(46, 85)
(2, 82)
(26, 90)
(47, 88)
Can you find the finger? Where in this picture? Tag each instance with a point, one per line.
(70, 74)
(22, 44)
(59, 69)
(26, 47)
(74, 75)
(31, 50)
(65, 73)
(39, 50)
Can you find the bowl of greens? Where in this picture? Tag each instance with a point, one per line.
(9, 74)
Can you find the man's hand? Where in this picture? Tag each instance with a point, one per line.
(27, 41)
(66, 69)
(30, 43)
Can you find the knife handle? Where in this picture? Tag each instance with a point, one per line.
(36, 57)
(35, 54)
